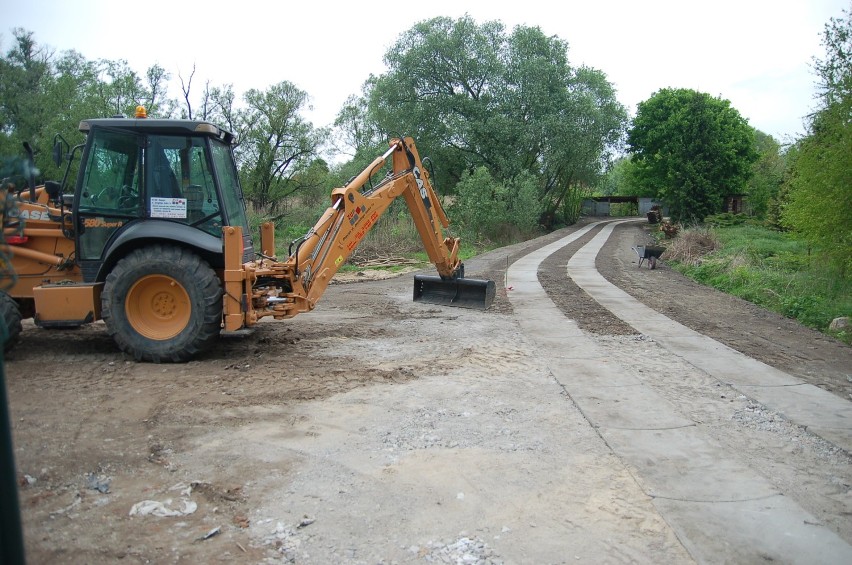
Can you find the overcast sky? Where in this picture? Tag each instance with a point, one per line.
(755, 53)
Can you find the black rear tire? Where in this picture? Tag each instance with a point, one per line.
(10, 317)
(162, 303)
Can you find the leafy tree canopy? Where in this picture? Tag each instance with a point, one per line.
(691, 150)
(42, 94)
(277, 144)
(620, 180)
(476, 96)
(820, 184)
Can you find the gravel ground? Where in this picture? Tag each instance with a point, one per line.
(377, 430)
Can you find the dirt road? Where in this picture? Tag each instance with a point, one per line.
(377, 430)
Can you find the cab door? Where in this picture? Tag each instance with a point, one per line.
(110, 193)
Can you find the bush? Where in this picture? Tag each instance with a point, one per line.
(692, 245)
(726, 219)
(486, 210)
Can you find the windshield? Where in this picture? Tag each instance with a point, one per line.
(232, 194)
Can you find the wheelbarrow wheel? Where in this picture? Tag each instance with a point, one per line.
(652, 262)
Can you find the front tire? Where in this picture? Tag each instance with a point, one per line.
(10, 317)
(162, 303)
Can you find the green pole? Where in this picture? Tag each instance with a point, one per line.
(11, 533)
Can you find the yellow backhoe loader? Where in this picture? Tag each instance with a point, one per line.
(154, 240)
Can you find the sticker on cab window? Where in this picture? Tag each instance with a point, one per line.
(168, 207)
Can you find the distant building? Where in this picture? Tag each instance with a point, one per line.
(600, 205)
(736, 204)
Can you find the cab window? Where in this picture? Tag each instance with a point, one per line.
(112, 175)
(181, 185)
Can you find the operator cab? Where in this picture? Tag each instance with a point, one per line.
(141, 179)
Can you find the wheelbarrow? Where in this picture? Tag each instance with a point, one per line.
(650, 253)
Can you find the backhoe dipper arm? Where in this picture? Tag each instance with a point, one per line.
(267, 287)
(284, 289)
(356, 208)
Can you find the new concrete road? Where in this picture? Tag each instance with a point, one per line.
(720, 508)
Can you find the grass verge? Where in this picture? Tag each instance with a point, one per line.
(769, 268)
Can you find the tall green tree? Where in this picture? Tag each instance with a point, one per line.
(820, 187)
(25, 70)
(619, 180)
(277, 144)
(691, 150)
(580, 144)
(767, 175)
(476, 96)
(438, 89)
(356, 132)
(43, 93)
(820, 184)
(834, 72)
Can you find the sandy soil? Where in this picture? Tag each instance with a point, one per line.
(378, 430)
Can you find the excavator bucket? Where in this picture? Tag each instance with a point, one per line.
(465, 293)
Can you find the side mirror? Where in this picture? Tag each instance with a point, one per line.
(60, 146)
(58, 153)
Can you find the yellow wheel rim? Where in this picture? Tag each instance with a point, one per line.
(158, 307)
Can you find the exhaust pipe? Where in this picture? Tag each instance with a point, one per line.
(477, 294)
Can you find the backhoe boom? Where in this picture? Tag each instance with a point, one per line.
(284, 289)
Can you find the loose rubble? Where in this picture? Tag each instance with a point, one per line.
(463, 551)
